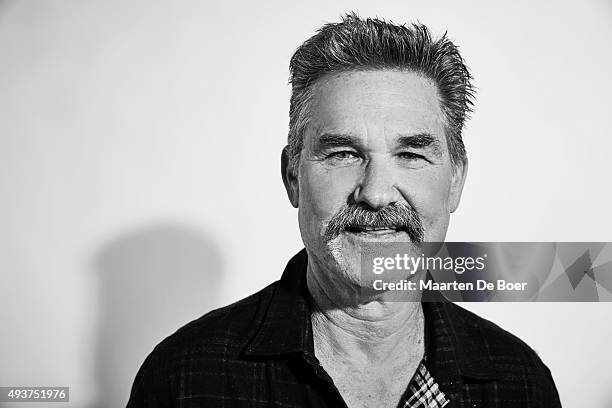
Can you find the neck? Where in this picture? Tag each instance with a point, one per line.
(362, 331)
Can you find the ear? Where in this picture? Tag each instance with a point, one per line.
(290, 179)
(457, 181)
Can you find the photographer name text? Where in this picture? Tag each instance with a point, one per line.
(480, 285)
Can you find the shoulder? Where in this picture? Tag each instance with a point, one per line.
(223, 331)
(516, 364)
(226, 329)
(214, 339)
(502, 346)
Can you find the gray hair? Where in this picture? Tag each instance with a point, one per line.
(367, 44)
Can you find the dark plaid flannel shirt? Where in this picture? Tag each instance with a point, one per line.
(259, 352)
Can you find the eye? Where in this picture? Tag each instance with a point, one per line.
(411, 156)
(344, 155)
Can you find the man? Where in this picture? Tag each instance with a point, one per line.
(374, 155)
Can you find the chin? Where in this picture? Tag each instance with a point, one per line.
(346, 261)
(343, 257)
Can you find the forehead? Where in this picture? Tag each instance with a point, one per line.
(389, 101)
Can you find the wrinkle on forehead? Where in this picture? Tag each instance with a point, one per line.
(379, 102)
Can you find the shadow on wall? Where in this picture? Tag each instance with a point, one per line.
(3, 4)
(151, 282)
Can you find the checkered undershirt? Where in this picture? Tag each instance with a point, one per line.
(423, 391)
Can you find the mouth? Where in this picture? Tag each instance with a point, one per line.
(370, 230)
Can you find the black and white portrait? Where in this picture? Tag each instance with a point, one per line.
(186, 189)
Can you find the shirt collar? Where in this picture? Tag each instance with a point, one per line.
(285, 326)
(454, 345)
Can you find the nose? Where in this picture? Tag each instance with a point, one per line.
(377, 188)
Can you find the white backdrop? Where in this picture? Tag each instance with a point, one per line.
(140, 183)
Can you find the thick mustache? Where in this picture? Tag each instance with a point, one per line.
(396, 216)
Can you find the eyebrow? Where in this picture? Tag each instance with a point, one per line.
(328, 140)
(416, 141)
(421, 141)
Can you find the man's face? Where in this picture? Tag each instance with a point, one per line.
(375, 143)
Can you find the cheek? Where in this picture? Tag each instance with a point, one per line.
(429, 195)
(323, 192)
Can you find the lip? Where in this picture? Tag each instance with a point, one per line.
(377, 231)
(377, 234)
(372, 230)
